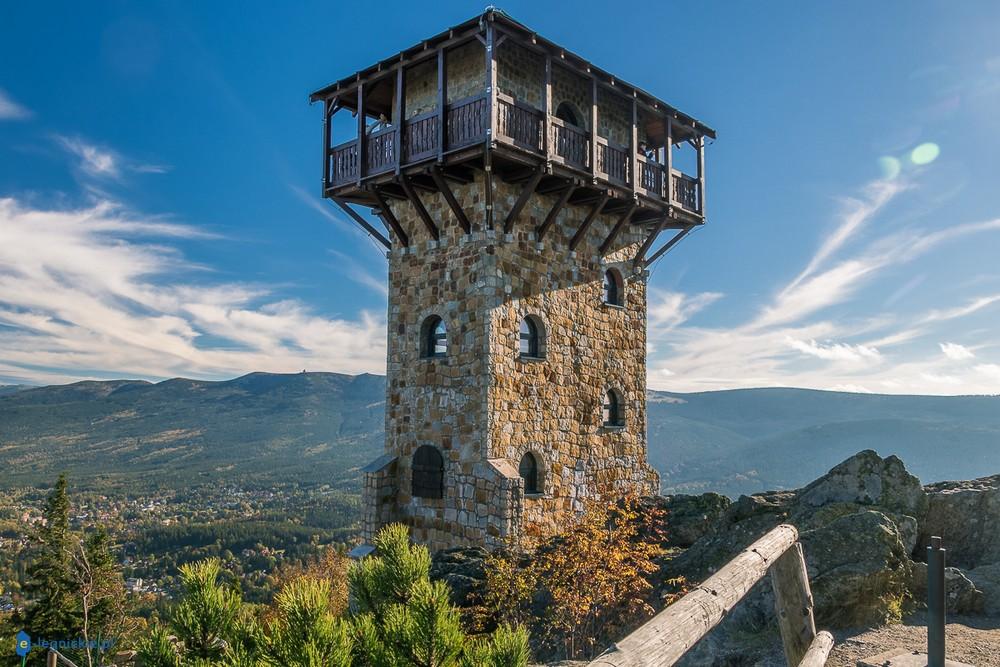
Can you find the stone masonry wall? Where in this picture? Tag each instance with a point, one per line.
(481, 405)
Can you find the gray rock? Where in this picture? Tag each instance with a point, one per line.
(962, 596)
(463, 569)
(966, 515)
(987, 579)
(689, 518)
(868, 479)
(859, 569)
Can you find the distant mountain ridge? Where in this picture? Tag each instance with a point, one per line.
(267, 428)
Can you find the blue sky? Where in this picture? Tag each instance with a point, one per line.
(159, 172)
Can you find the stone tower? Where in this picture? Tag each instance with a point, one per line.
(523, 194)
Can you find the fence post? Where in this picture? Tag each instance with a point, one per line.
(935, 604)
(793, 603)
(51, 659)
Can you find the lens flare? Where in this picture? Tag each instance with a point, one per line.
(890, 167)
(925, 153)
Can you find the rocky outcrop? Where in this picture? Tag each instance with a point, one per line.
(463, 569)
(868, 479)
(966, 515)
(689, 518)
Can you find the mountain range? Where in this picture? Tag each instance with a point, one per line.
(263, 429)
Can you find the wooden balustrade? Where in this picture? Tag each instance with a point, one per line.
(380, 149)
(420, 137)
(665, 638)
(467, 121)
(651, 176)
(613, 161)
(685, 192)
(344, 163)
(519, 122)
(570, 143)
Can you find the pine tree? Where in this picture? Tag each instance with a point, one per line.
(53, 608)
(207, 612)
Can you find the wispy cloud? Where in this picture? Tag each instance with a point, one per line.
(956, 352)
(795, 340)
(11, 110)
(97, 290)
(670, 309)
(100, 162)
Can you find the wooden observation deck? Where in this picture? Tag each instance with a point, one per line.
(492, 95)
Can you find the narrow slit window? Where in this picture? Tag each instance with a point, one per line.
(528, 469)
(613, 414)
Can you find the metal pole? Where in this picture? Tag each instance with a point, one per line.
(935, 604)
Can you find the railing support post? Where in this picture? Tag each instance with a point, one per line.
(793, 603)
(935, 604)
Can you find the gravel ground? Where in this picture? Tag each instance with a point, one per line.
(975, 641)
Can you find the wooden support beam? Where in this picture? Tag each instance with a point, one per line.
(634, 161)
(491, 113)
(668, 158)
(666, 637)
(361, 221)
(449, 197)
(819, 651)
(622, 221)
(593, 128)
(638, 260)
(389, 219)
(554, 212)
(547, 112)
(398, 114)
(793, 603)
(442, 103)
(526, 192)
(418, 205)
(701, 176)
(362, 134)
(580, 233)
(328, 111)
(668, 245)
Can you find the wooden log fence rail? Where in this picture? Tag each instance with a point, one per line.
(665, 638)
(56, 659)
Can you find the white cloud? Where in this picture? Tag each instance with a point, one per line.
(801, 336)
(96, 290)
(11, 110)
(670, 309)
(956, 352)
(104, 163)
(835, 351)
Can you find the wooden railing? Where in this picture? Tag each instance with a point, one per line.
(518, 124)
(613, 161)
(344, 163)
(685, 192)
(54, 659)
(521, 123)
(420, 137)
(570, 143)
(651, 176)
(380, 149)
(665, 638)
(467, 121)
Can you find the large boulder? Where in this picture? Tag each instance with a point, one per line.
(463, 569)
(966, 515)
(962, 595)
(868, 479)
(987, 579)
(689, 518)
(859, 569)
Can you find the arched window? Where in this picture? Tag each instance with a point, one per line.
(529, 472)
(433, 337)
(566, 112)
(613, 292)
(614, 413)
(532, 338)
(428, 473)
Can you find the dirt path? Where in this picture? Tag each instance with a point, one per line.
(975, 641)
